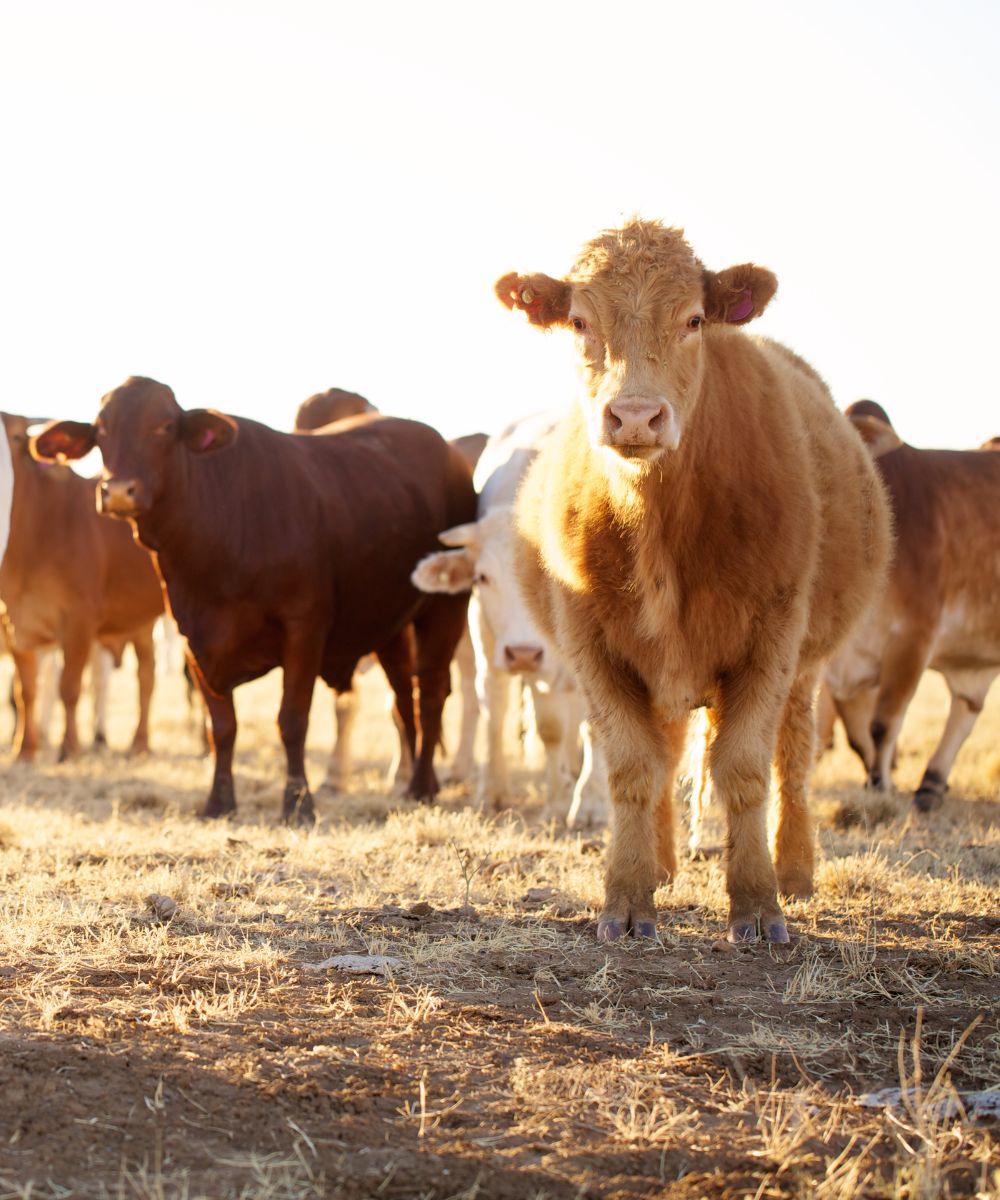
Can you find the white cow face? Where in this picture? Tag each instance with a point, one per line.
(484, 559)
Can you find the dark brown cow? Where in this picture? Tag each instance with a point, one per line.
(332, 405)
(70, 578)
(704, 528)
(286, 550)
(941, 609)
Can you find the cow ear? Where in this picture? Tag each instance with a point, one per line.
(878, 436)
(738, 294)
(449, 571)
(545, 300)
(203, 430)
(460, 535)
(60, 441)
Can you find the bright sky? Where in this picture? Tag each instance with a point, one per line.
(255, 201)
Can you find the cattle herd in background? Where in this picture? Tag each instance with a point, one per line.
(704, 531)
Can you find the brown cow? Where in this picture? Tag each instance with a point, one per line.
(704, 528)
(332, 405)
(287, 550)
(941, 608)
(316, 414)
(70, 579)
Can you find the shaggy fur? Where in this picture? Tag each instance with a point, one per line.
(940, 610)
(706, 528)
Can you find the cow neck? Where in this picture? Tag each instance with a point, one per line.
(194, 527)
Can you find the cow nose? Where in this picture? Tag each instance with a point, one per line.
(633, 422)
(523, 658)
(119, 496)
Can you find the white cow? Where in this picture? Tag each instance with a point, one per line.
(508, 645)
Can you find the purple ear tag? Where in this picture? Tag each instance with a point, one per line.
(743, 307)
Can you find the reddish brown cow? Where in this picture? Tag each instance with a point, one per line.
(68, 579)
(941, 609)
(705, 528)
(286, 550)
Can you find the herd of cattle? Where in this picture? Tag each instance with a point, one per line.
(703, 530)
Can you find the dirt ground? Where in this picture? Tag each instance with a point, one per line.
(210, 1050)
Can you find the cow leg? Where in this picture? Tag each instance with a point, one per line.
(341, 764)
(47, 689)
(554, 725)
(142, 643)
(100, 676)
(590, 795)
(396, 659)
(494, 698)
(438, 629)
(968, 695)
(902, 666)
(299, 668)
(795, 754)
(746, 733)
(826, 719)
(25, 689)
(700, 733)
(465, 668)
(858, 712)
(76, 652)
(221, 800)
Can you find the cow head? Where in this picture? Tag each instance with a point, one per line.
(141, 432)
(873, 424)
(640, 305)
(484, 559)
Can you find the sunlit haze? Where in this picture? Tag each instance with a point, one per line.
(253, 202)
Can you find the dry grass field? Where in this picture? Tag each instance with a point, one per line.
(503, 1053)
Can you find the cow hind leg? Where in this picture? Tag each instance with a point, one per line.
(438, 629)
(25, 690)
(299, 668)
(968, 695)
(794, 756)
(76, 652)
(396, 659)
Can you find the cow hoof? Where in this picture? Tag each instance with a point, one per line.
(742, 931)
(611, 929)
(926, 800)
(297, 807)
(777, 932)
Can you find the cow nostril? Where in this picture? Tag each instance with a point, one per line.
(614, 422)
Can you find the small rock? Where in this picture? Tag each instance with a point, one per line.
(421, 909)
(721, 946)
(358, 964)
(163, 908)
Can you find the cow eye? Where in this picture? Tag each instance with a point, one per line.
(481, 578)
(165, 428)
(695, 322)
(579, 324)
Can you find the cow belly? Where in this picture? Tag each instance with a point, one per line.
(231, 649)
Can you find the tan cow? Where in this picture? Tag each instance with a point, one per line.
(69, 579)
(705, 529)
(941, 608)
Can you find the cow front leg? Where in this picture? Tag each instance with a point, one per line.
(554, 713)
(794, 756)
(221, 800)
(464, 664)
(146, 680)
(25, 690)
(740, 762)
(396, 660)
(341, 763)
